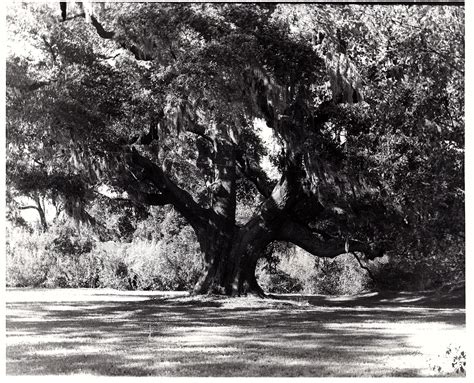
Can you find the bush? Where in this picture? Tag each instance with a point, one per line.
(436, 260)
(114, 270)
(174, 263)
(169, 264)
(74, 271)
(297, 271)
(418, 272)
(75, 265)
(59, 258)
(278, 281)
(28, 262)
(65, 257)
(341, 276)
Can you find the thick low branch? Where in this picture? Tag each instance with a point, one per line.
(170, 192)
(307, 240)
(151, 199)
(324, 235)
(275, 206)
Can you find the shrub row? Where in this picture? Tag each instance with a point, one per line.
(64, 258)
(296, 271)
(51, 260)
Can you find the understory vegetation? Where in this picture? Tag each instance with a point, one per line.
(167, 257)
(68, 257)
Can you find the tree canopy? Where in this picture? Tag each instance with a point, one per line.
(157, 105)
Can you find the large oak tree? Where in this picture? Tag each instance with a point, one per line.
(158, 103)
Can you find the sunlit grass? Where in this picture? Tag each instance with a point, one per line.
(126, 333)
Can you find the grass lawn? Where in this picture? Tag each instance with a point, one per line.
(108, 332)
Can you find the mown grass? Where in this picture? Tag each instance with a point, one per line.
(106, 332)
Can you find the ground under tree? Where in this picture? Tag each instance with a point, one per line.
(157, 102)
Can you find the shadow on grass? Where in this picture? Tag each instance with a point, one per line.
(292, 336)
(431, 299)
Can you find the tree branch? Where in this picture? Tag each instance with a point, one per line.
(170, 192)
(111, 35)
(363, 266)
(303, 237)
(50, 48)
(100, 29)
(152, 199)
(28, 207)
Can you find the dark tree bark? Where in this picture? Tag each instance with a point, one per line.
(63, 6)
(232, 252)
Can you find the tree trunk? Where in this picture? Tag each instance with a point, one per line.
(231, 252)
(231, 257)
(41, 212)
(220, 276)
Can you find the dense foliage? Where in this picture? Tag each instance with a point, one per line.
(62, 257)
(122, 107)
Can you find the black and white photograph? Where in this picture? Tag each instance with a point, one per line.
(234, 189)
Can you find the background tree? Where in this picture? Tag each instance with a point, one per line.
(157, 102)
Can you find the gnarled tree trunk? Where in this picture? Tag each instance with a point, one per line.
(230, 261)
(232, 252)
